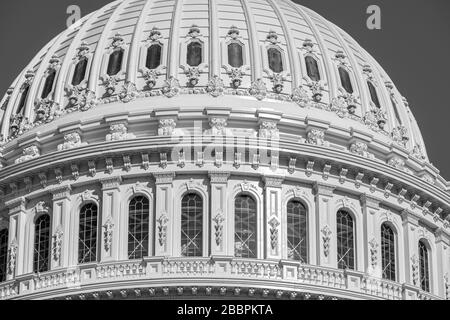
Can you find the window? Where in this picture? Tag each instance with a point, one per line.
(388, 252)
(245, 227)
(397, 114)
(194, 54)
(138, 227)
(153, 56)
(373, 94)
(312, 68)
(115, 62)
(275, 60)
(3, 254)
(87, 243)
(297, 231)
(235, 55)
(191, 225)
(23, 99)
(42, 244)
(80, 71)
(345, 241)
(424, 270)
(48, 85)
(345, 80)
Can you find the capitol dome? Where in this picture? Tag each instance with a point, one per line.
(215, 148)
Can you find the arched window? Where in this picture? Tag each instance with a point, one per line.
(153, 56)
(194, 54)
(42, 244)
(191, 225)
(80, 71)
(345, 240)
(235, 55)
(297, 231)
(275, 60)
(312, 68)
(115, 62)
(3, 254)
(48, 85)
(345, 80)
(373, 94)
(424, 266)
(23, 99)
(87, 241)
(245, 225)
(138, 227)
(388, 252)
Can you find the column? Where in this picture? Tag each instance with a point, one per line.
(411, 257)
(371, 255)
(110, 219)
(219, 213)
(17, 249)
(61, 229)
(326, 226)
(164, 214)
(272, 217)
(442, 252)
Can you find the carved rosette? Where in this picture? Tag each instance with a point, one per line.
(317, 137)
(162, 229)
(29, 153)
(79, 98)
(218, 126)
(18, 126)
(171, 87)
(258, 89)
(326, 238)
(418, 153)
(12, 256)
(397, 163)
(215, 87)
(71, 140)
(166, 127)
(361, 149)
(269, 130)
(57, 244)
(128, 93)
(218, 227)
(108, 229)
(46, 111)
(399, 135)
(119, 132)
(373, 246)
(301, 97)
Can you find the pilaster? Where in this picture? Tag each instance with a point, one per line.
(16, 247)
(110, 222)
(273, 216)
(61, 228)
(410, 225)
(219, 212)
(164, 213)
(371, 236)
(442, 255)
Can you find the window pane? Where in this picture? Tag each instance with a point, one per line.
(138, 228)
(312, 68)
(194, 54)
(373, 94)
(235, 55)
(87, 245)
(23, 100)
(80, 71)
(245, 227)
(424, 267)
(3, 254)
(297, 232)
(388, 252)
(191, 225)
(48, 86)
(115, 62)
(345, 241)
(42, 244)
(153, 56)
(275, 60)
(345, 80)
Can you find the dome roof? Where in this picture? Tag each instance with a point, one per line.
(281, 29)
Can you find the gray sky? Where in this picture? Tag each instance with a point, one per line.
(413, 47)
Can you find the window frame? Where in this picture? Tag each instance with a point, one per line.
(149, 227)
(395, 251)
(49, 243)
(427, 287)
(201, 223)
(354, 239)
(307, 228)
(257, 231)
(319, 67)
(98, 233)
(4, 246)
(350, 77)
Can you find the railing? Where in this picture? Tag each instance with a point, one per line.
(287, 272)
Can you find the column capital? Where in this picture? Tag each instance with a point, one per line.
(16, 205)
(111, 183)
(369, 201)
(164, 177)
(323, 189)
(219, 176)
(61, 192)
(273, 181)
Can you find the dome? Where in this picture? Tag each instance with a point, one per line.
(217, 106)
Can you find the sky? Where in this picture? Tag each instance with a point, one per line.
(413, 46)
